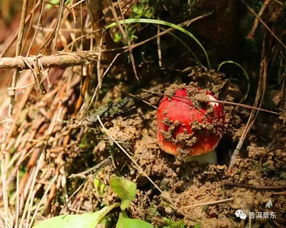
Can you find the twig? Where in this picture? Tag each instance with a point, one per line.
(256, 21)
(4, 174)
(159, 50)
(37, 27)
(92, 169)
(210, 203)
(279, 193)
(12, 92)
(57, 60)
(142, 99)
(58, 25)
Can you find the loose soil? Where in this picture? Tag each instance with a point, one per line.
(195, 193)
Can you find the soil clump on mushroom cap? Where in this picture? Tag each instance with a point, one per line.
(190, 123)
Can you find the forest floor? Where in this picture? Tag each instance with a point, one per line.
(73, 128)
(189, 193)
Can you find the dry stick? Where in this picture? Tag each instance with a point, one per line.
(257, 103)
(211, 203)
(137, 166)
(57, 60)
(264, 24)
(8, 179)
(37, 27)
(98, 65)
(12, 92)
(17, 206)
(96, 16)
(83, 174)
(159, 50)
(58, 25)
(28, 28)
(278, 193)
(5, 198)
(256, 21)
(98, 166)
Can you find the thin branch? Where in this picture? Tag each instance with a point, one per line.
(93, 169)
(57, 60)
(210, 203)
(58, 25)
(12, 92)
(256, 21)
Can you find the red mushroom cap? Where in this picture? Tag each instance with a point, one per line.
(186, 125)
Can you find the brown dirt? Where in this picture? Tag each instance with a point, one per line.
(197, 191)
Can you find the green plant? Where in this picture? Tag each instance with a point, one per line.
(173, 224)
(165, 23)
(126, 191)
(142, 9)
(87, 220)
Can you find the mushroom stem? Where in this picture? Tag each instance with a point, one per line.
(210, 158)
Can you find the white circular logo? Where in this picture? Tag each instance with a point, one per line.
(240, 214)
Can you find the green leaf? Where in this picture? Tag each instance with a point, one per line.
(87, 220)
(117, 37)
(125, 189)
(99, 186)
(173, 224)
(125, 222)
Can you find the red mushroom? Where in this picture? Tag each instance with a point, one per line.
(188, 126)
